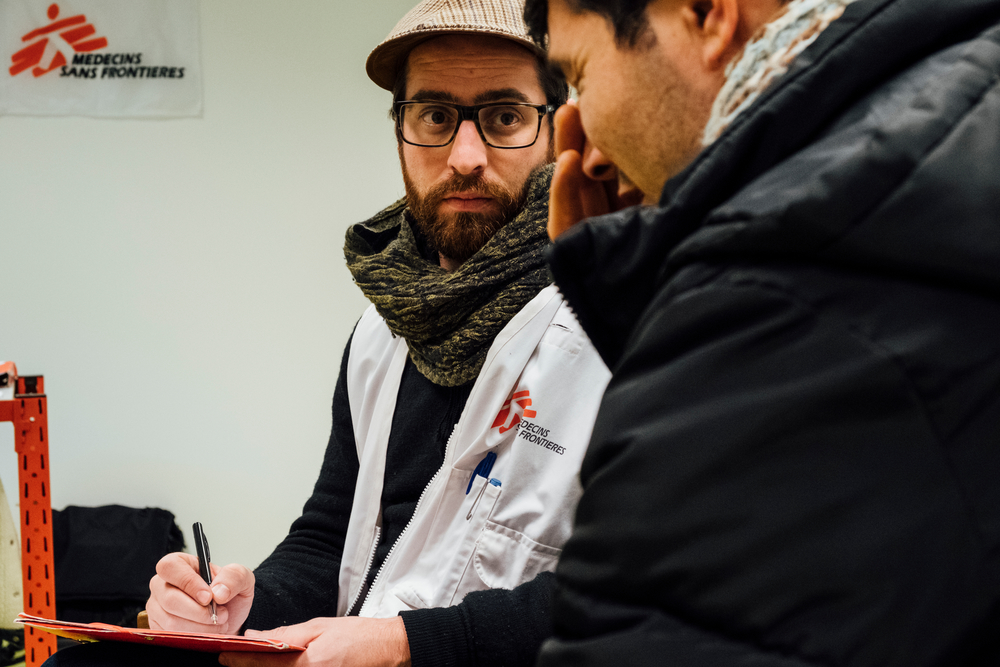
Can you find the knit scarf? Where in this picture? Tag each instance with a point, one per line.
(449, 320)
(767, 56)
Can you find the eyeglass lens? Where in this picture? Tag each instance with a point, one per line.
(433, 124)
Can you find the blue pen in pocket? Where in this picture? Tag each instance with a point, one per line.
(483, 469)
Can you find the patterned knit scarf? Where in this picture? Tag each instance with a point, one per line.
(767, 56)
(449, 320)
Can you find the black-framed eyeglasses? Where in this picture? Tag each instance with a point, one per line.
(500, 124)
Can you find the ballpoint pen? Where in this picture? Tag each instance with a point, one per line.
(204, 562)
(483, 469)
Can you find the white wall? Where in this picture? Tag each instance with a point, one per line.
(181, 285)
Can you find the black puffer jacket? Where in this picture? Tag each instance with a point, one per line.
(797, 461)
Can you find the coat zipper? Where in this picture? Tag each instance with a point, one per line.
(420, 500)
(368, 566)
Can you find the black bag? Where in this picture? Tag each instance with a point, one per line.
(105, 557)
(11, 647)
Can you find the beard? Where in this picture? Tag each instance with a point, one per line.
(458, 236)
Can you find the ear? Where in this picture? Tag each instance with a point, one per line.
(717, 22)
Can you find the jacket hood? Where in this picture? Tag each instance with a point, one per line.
(878, 151)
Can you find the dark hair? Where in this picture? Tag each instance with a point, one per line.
(553, 84)
(627, 17)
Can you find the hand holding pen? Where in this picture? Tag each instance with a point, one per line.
(181, 599)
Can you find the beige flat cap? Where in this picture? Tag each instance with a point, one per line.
(501, 18)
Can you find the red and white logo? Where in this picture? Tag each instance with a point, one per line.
(50, 41)
(516, 407)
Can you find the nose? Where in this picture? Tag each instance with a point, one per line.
(595, 165)
(468, 152)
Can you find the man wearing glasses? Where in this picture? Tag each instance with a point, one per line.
(466, 395)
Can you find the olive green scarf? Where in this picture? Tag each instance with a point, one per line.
(449, 320)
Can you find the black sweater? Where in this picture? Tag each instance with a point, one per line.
(298, 581)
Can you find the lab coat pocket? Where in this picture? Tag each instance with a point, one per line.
(506, 558)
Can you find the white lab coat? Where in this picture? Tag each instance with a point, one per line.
(534, 405)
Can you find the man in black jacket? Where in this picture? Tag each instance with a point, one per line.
(797, 461)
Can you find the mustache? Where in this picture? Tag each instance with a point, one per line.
(459, 183)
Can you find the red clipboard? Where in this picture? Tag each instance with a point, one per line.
(193, 641)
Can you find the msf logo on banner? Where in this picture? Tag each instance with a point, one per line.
(516, 407)
(48, 43)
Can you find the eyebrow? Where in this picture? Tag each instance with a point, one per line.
(424, 95)
(502, 95)
(498, 95)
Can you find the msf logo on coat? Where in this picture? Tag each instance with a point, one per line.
(515, 413)
(516, 407)
(48, 43)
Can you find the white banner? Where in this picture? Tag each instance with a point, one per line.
(108, 58)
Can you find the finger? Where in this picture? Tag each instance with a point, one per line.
(569, 129)
(162, 618)
(181, 571)
(596, 197)
(565, 208)
(231, 581)
(300, 634)
(155, 615)
(172, 607)
(174, 601)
